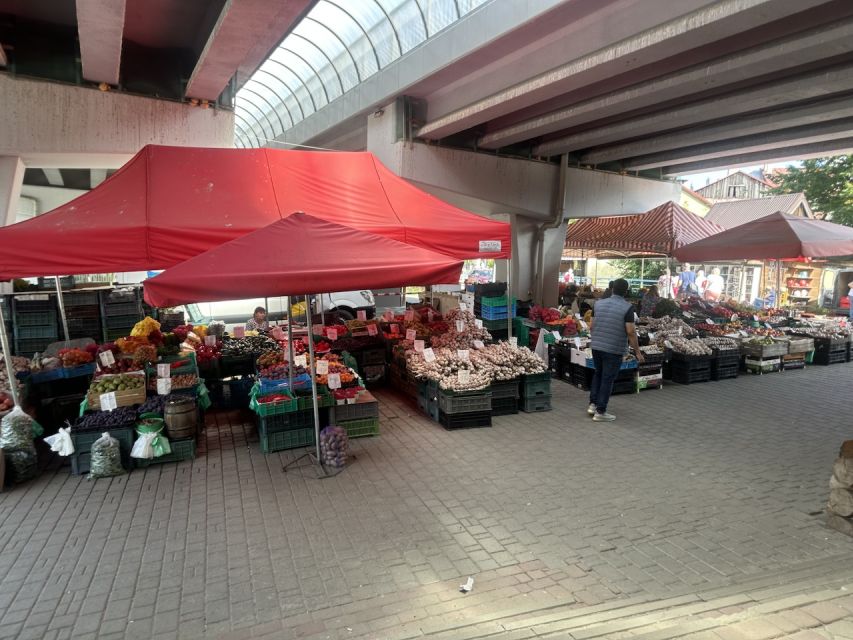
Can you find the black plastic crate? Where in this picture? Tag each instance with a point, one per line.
(504, 406)
(489, 290)
(122, 322)
(35, 318)
(725, 358)
(465, 420)
(32, 332)
(371, 357)
(85, 328)
(27, 347)
(691, 363)
(237, 365)
(504, 389)
(85, 312)
(80, 299)
(500, 335)
(49, 283)
(829, 357)
(725, 372)
(23, 305)
(120, 296)
(683, 375)
(792, 365)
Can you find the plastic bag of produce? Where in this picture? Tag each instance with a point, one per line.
(21, 464)
(151, 443)
(16, 431)
(106, 458)
(334, 447)
(61, 442)
(142, 447)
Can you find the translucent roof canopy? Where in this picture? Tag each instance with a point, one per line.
(335, 47)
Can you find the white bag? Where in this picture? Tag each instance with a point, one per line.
(541, 348)
(61, 442)
(142, 447)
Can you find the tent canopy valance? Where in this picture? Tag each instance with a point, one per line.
(168, 204)
(659, 231)
(299, 255)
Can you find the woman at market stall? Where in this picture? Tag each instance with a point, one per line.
(650, 299)
(715, 285)
(258, 321)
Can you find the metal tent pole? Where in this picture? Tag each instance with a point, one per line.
(642, 270)
(7, 356)
(62, 309)
(290, 343)
(312, 370)
(509, 297)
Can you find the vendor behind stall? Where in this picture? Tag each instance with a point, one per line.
(258, 321)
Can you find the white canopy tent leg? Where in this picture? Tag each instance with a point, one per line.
(62, 310)
(509, 298)
(312, 370)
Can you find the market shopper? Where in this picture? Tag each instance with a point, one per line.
(714, 286)
(258, 321)
(686, 281)
(650, 299)
(611, 328)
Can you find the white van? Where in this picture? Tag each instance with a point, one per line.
(347, 304)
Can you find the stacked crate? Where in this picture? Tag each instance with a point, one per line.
(650, 373)
(725, 364)
(535, 392)
(83, 314)
(690, 369)
(462, 410)
(764, 358)
(121, 309)
(505, 396)
(34, 323)
(490, 306)
(830, 350)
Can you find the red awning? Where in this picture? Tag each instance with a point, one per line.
(168, 204)
(778, 236)
(660, 231)
(299, 255)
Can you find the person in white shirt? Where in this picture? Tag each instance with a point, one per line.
(714, 285)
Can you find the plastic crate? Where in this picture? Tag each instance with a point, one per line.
(793, 364)
(27, 347)
(80, 298)
(290, 421)
(691, 363)
(492, 301)
(35, 319)
(237, 365)
(231, 393)
(85, 328)
(766, 365)
(371, 357)
(283, 440)
(26, 332)
(83, 440)
(535, 385)
(464, 403)
(504, 406)
(119, 296)
(123, 322)
(49, 283)
(305, 402)
(489, 289)
(118, 309)
(91, 313)
(725, 358)
(181, 450)
(357, 411)
(505, 389)
(24, 305)
(79, 371)
(683, 375)
(473, 420)
(825, 358)
(111, 335)
(495, 313)
(536, 404)
(275, 408)
(361, 428)
(725, 372)
(47, 376)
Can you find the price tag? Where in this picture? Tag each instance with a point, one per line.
(734, 318)
(419, 346)
(300, 361)
(164, 371)
(322, 367)
(463, 376)
(513, 341)
(652, 336)
(388, 316)
(768, 325)
(395, 329)
(687, 314)
(334, 381)
(557, 335)
(411, 334)
(584, 325)
(371, 330)
(462, 354)
(276, 332)
(709, 321)
(478, 323)
(463, 306)
(578, 316)
(578, 343)
(460, 326)
(667, 344)
(239, 332)
(332, 334)
(108, 401)
(410, 314)
(478, 344)
(107, 358)
(361, 314)
(317, 329)
(164, 386)
(210, 341)
(429, 354)
(680, 330)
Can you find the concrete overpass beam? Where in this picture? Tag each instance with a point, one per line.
(787, 53)
(100, 26)
(11, 181)
(813, 85)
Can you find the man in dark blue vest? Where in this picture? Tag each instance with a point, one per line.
(611, 328)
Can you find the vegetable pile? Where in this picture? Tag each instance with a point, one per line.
(464, 339)
(120, 382)
(334, 446)
(121, 417)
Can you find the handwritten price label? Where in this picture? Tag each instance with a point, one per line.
(107, 358)
(108, 401)
(322, 367)
(334, 381)
(164, 371)
(410, 314)
(557, 335)
(513, 341)
(462, 354)
(332, 334)
(371, 329)
(210, 341)
(419, 345)
(164, 386)
(460, 326)
(464, 376)
(411, 334)
(361, 314)
(429, 354)
(478, 344)
(300, 361)
(478, 323)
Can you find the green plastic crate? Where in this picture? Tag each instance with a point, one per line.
(305, 403)
(504, 389)
(538, 384)
(361, 428)
(181, 450)
(468, 403)
(83, 447)
(290, 421)
(495, 302)
(281, 440)
(274, 408)
(535, 404)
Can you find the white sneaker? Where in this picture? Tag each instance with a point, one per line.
(603, 417)
(591, 409)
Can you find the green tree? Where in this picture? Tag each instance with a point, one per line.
(631, 268)
(826, 183)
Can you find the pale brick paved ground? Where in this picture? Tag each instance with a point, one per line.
(692, 488)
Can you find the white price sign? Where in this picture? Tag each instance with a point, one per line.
(578, 316)
(164, 371)
(164, 386)
(410, 314)
(460, 326)
(300, 361)
(464, 376)
(709, 321)
(108, 401)
(419, 346)
(332, 334)
(388, 316)
(361, 314)
(210, 341)
(463, 306)
(513, 341)
(478, 323)
(687, 314)
(411, 334)
(371, 330)
(429, 354)
(755, 318)
(462, 354)
(478, 344)
(557, 335)
(667, 344)
(334, 381)
(107, 358)
(322, 367)
(734, 318)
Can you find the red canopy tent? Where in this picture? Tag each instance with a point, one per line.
(660, 231)
(168, 204)
(778, 236)
(300, 254)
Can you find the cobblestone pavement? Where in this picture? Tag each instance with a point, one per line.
(711, 486)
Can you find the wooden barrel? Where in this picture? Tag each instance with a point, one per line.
(181, 417)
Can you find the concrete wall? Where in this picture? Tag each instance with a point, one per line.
(592, 193)
(48, 198)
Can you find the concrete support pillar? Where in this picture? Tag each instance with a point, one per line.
(11, 181)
